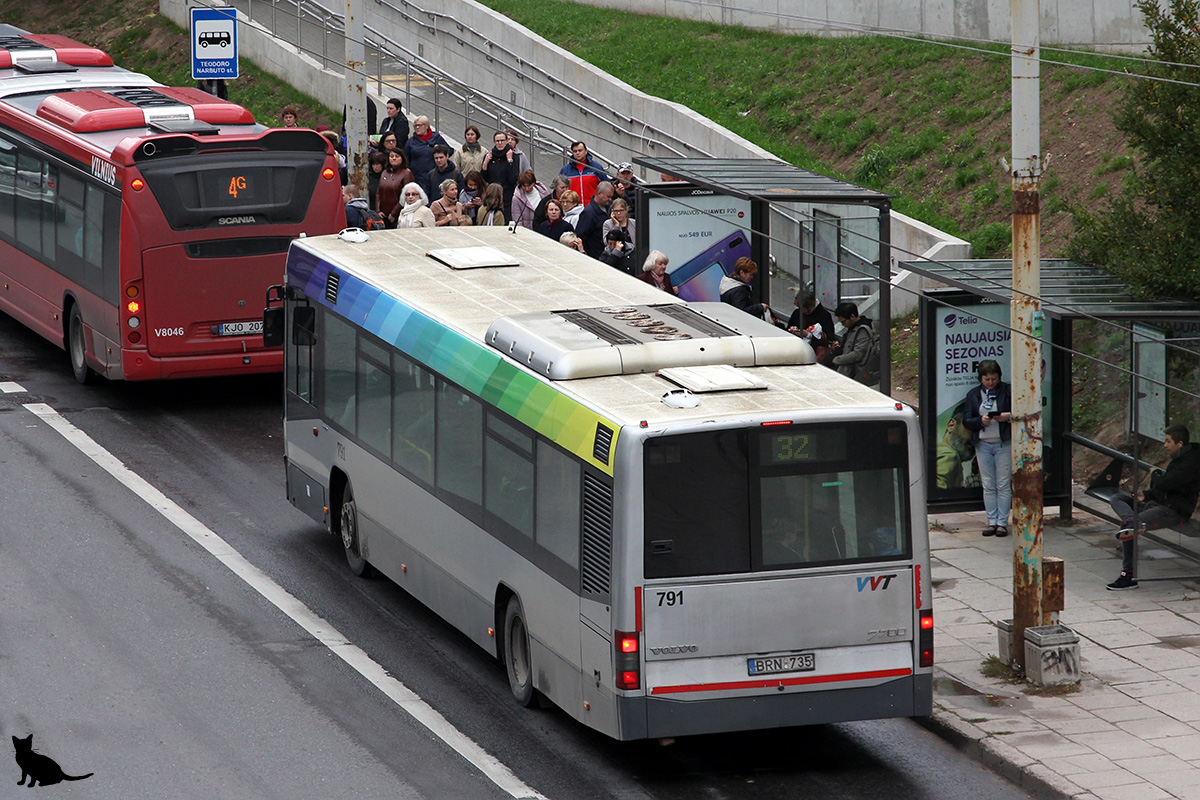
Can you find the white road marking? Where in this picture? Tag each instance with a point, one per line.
(8, 387)
(321, 630)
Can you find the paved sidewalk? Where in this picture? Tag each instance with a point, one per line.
(1132, 729)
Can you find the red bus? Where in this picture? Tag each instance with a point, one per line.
(140, 225)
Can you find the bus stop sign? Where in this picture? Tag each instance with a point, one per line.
(214, 44)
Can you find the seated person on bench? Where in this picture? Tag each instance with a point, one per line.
(1170, 500)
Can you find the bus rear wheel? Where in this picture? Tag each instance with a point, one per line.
(517, 662)
(348, 529)
(77, 347)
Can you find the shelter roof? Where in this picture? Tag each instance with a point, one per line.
(764, 179)
(1069, 290)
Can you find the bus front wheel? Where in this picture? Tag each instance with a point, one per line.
(348, 528)
(517, 662)
(77, 347)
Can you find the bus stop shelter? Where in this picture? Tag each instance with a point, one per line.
(968, 320)
(805, 229)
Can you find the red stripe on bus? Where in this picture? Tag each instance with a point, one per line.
(917, 582)
(637, 608)
(763, 684)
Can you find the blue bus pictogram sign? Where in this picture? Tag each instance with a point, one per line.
(214, 43)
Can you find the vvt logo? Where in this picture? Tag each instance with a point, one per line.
(874, 581)
(950, 320)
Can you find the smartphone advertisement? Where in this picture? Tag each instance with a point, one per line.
(702, 233)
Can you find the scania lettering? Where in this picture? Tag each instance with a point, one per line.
(499, 448)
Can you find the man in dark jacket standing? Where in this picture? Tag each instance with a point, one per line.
(1170, 500)
(443, 168)
(591, 222)
(852, 351)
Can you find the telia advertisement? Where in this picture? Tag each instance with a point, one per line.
(703, 234)
(959, 338)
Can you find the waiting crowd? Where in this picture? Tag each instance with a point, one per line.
(419, 180)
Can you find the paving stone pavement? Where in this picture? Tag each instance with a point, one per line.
(1131, 730)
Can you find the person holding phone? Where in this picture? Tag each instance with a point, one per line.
(735, 289)
(988, 415)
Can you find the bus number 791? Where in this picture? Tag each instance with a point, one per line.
(670, 598)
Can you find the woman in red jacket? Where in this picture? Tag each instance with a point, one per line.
(392, 180)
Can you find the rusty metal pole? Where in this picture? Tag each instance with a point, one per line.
(356, 96)
(1026, 321)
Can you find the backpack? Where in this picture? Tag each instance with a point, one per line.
(372, 221)
(868, 369)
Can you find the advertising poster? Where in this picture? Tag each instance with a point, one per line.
(954, 339)
(702, 233)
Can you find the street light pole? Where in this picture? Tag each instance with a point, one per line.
(356, 96)
(1026, 323)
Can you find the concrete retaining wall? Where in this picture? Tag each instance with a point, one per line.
(1114, 25)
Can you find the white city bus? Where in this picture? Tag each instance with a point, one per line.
(659, 515)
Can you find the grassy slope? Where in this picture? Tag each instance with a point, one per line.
(926, 122)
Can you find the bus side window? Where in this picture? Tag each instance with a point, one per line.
(508, 490)
(413, 401)
(8, 174)
(459, 456)
(49, 206)
(338, 352)
(299, 366)
(28, 201)
(559, 505)
(374, 397)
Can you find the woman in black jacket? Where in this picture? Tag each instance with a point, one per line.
(500, 166)
(988, 415)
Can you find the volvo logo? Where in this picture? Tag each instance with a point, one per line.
(677, 650)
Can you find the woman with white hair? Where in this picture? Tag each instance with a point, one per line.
(414, 208)
(654, 272)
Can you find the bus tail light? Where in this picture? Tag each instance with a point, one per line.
(925, 638)
(628, 662)
(328, 173)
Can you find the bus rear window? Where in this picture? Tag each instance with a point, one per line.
(234, 188)
(732, 501)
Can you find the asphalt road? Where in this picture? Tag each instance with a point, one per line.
(130, 651)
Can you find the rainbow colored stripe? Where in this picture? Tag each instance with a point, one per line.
(472, 365)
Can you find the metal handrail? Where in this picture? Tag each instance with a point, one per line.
(430, 71)
(553, 81)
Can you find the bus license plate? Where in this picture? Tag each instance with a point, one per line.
(240, 328)
(801, 662)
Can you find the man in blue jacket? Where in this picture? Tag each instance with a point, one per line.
(584, 172)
